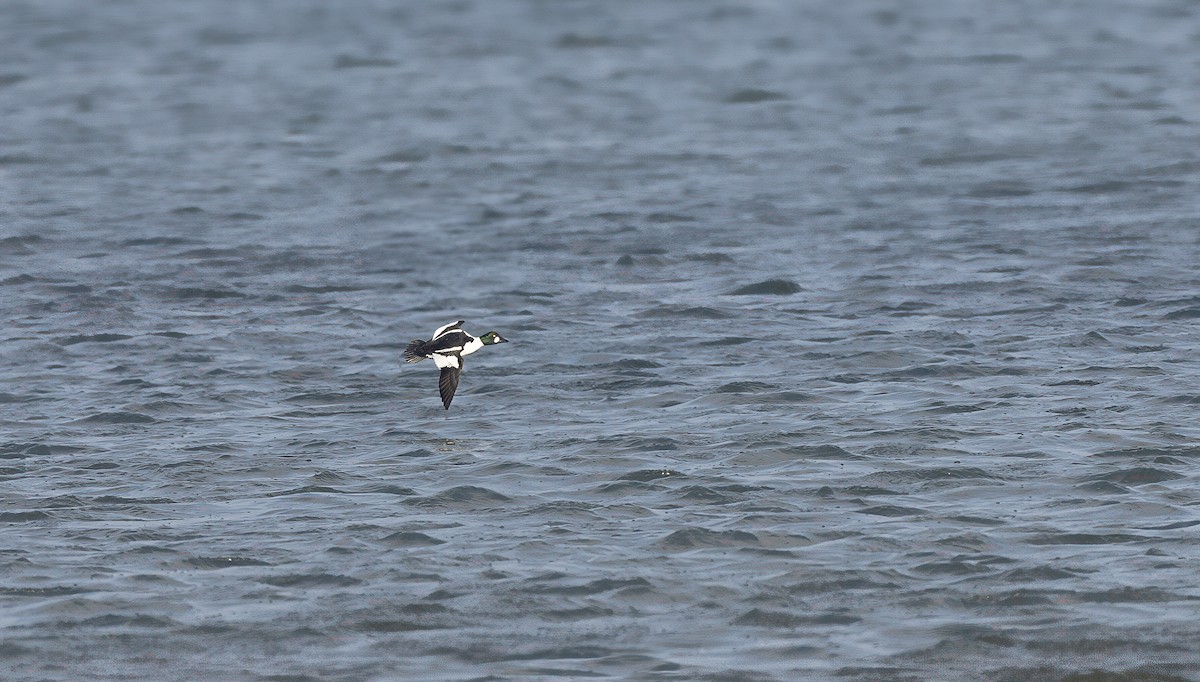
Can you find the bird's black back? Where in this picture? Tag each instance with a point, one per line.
(453, 339)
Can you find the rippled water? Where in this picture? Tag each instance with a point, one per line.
(849, 340)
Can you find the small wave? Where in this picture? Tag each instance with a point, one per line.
(224, 255)
(633, 364)
(325, 398)
(580, 613)
(953, 371)
(577, 41)
(1036, 573)
(745, 387)
(640, 443)
(305, 490)
(753, 95)
(650, 475)
(16, 517)
(61, 502)
(669, 218)
(387, 489)
(934, 474)
(114, 620)
(398, 625)
(891, 510)
(18, 245)
(1173, 526)
(977, 520)
(562, 509)
(627, 488)
(1000, 189)
(685, 311)
(463, 496)
(1189, 313)
(561, 653)
(592, 588)
(1085, 538)
(819, 452)
(627, 385)
(323, 289)
(93, 338)
(193, 293)
(770, 287)
(964, 159)
(1137, 476)
(1103, 488)
(410, 539)
(1185, 452)
(22, 450)
(941, 408)
(410, 155)
(710, 257)
(18, 159)
(766, 618)
(1133, 595)
(700, 494)
(119, 500)
(1103, 187)
(692, 538)
(419, 452)
(47, 591)
(953, 567)
(346, 61)
(118, 418)
(730, 341)
(158, 241)
(218, 562)
(306, 580)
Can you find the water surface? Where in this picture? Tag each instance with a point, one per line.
(849, 341)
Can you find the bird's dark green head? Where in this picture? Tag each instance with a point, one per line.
(492, 337)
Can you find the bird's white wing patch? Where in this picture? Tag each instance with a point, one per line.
(443, 360)
(445, 328)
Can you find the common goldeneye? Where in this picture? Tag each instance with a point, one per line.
(446, 348)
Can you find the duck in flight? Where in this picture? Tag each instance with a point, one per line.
(447, 348)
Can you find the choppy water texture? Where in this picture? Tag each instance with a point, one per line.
(851, 340)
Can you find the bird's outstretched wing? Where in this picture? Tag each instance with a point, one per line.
(448, 381)
(445, 328)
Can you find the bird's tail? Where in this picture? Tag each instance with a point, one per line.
(415, 351)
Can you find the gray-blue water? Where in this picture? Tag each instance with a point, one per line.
(850, 340)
